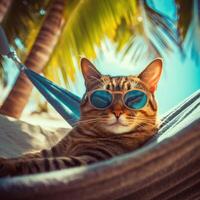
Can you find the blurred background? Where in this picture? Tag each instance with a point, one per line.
(120, 36)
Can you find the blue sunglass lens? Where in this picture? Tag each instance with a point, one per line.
(101, 99)
(135, 99)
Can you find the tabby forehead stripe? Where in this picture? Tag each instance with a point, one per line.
(114, 83)
(112, 88)
(128, 86)
(123, 83)
(120, 81)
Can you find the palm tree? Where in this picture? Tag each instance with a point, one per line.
(37, 59)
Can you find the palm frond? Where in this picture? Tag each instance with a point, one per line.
(191, 42)
(90, 21)
(163, 22)
(87, 24)
(157, 29)
(184, 9)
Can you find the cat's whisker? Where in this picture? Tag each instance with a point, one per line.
(142, 123)
(84, 121)
(138, 117)
(90, 121)
(142, 119)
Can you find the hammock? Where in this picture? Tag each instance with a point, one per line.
(167, 167)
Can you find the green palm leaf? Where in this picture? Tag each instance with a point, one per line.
(87, 24)
(185, 9)
(156, 30)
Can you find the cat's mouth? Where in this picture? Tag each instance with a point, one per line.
(118, 127)
(117, 122)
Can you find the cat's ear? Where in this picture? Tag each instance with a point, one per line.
(151, 74)
(90, 73)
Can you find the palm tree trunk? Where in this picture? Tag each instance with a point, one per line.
(4, 7)
(37, 59)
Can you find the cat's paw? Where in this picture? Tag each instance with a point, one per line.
(6, 168)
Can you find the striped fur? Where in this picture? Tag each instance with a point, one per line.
(99, 135)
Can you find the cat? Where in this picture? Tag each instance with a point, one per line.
(118, 115)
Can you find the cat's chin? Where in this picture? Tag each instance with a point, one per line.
(118, 128)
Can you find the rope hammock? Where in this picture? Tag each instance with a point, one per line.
(167, 167)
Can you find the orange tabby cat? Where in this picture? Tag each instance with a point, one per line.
(118, 114)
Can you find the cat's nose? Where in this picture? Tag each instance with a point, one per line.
(117, 113)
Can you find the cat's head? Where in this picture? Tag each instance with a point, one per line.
(120, 104)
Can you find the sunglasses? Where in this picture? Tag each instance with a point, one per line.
(132, 99)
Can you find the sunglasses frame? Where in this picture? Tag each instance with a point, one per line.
(117, 92)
